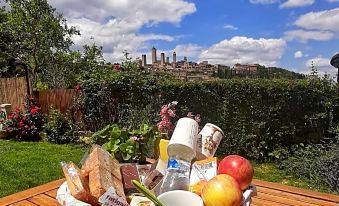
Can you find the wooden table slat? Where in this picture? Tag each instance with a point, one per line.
(283, 200)
(295, 196)
(44, 200)
(17, 197)
(263, 202)
(52, 193)
(24, 203)
(299, 191)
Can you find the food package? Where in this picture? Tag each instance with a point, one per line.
(110, 198)
(101, 179)
(140, 201)
(154, 177)
(203, 170)
(129, 172)
(143, 171)
(99, 156)
(76, 182)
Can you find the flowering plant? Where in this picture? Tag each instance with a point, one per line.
(27, 123)
(127, 145)
(167, 115)
(196, 117)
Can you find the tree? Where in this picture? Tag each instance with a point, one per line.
(5, 38)
(38, 33)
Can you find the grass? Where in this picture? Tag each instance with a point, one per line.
(28, 164)
(271, 173)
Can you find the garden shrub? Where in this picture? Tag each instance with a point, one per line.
(317, 162)
(25, 124)
(60, 129)
(256, 115)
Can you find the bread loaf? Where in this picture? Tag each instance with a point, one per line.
(101, 179)
(76, 182)
(100, 157)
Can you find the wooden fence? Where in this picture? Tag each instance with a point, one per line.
(13, 91)
(61, 99)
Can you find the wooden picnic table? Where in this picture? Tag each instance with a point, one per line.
(269, 194)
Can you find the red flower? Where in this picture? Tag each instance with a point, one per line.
(10, 116)
(31, 98)
(77, 88)
(35, 110)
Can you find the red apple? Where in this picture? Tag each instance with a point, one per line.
(239, 168)
(222, 190)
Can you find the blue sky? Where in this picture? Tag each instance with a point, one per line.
(285, 33)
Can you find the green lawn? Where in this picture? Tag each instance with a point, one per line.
(270, 172)
(27, 164)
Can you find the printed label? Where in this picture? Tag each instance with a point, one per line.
(110, 198)
(173, 164)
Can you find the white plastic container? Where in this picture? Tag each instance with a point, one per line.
(208, 141)
(184, 139)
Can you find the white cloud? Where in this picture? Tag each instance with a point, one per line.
(245, 50)
(147, 11)
(188, 50)
(115, 24)
(298, 54)
(322, 65)
(296, 3)
(230, 27)
(304, 36)
(322, 20)
(263, 1)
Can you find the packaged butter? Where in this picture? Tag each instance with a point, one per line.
(203, 170)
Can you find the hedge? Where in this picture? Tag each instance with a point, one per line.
(257, 115)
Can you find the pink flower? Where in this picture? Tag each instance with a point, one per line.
(17, 109)
(167, 114)
(21, 124)
(171, 113)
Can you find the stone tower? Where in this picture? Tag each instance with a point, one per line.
(162, 59)
(143, 60)
(154, 55)
(174, 60)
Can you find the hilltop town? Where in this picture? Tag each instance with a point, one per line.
(188, 70)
